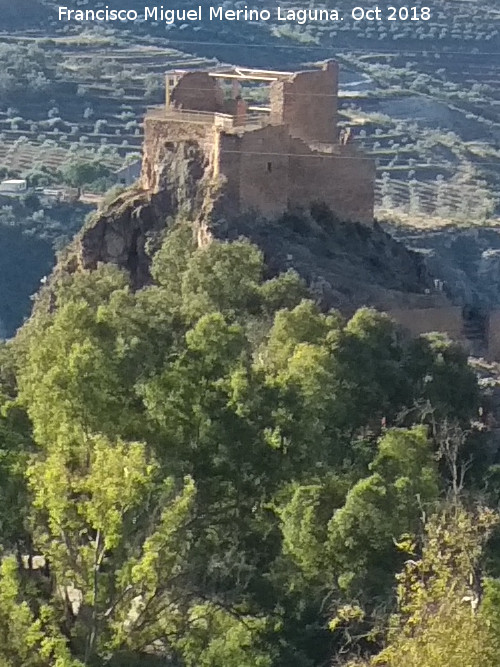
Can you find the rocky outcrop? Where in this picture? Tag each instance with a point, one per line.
(347, 265)
(465, 260)
(118, 234)
(121, 230)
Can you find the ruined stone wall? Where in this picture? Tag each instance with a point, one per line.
(307, 103)
(417, 321)
(260, 169)
(166, 141)
(344, 181)
(229, 168)
(264, 170)
(449, 320)
(199, 92)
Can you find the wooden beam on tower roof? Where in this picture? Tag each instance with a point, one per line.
(260, 109)
(243, 73)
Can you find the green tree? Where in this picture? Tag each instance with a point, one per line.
(93, 503)
(28, 638)
(380, 508)
(16, 446)
(80, 173)
(440, 620)
(213, 463)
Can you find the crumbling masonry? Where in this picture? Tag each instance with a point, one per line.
(209, 151)
(263, 158)
(275, 157)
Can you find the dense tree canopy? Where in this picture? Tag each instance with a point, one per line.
(210, 469)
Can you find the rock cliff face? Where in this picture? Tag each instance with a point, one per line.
(346, 264)
(179, 184)
(118, 234)
(466, 261)
(177, 162)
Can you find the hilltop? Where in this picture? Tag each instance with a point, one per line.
(347, 264)
(422, 100)
(210, 455)
(421, 97)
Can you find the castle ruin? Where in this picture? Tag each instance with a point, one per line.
(276, 156)
(266, 158)
(216, 147)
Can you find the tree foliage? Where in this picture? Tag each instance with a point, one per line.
(79, 173)
(211, 466)
(441, 619)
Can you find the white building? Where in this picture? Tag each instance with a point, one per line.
(13, 186)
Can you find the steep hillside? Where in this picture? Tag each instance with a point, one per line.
(31, 232)
(23, 259)
(466, 260)
(24, 14)
(346, 264)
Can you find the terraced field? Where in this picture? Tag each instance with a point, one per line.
(437, 149)
(423, 99)
(95, 109)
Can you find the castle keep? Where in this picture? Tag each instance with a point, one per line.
(266, 158)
